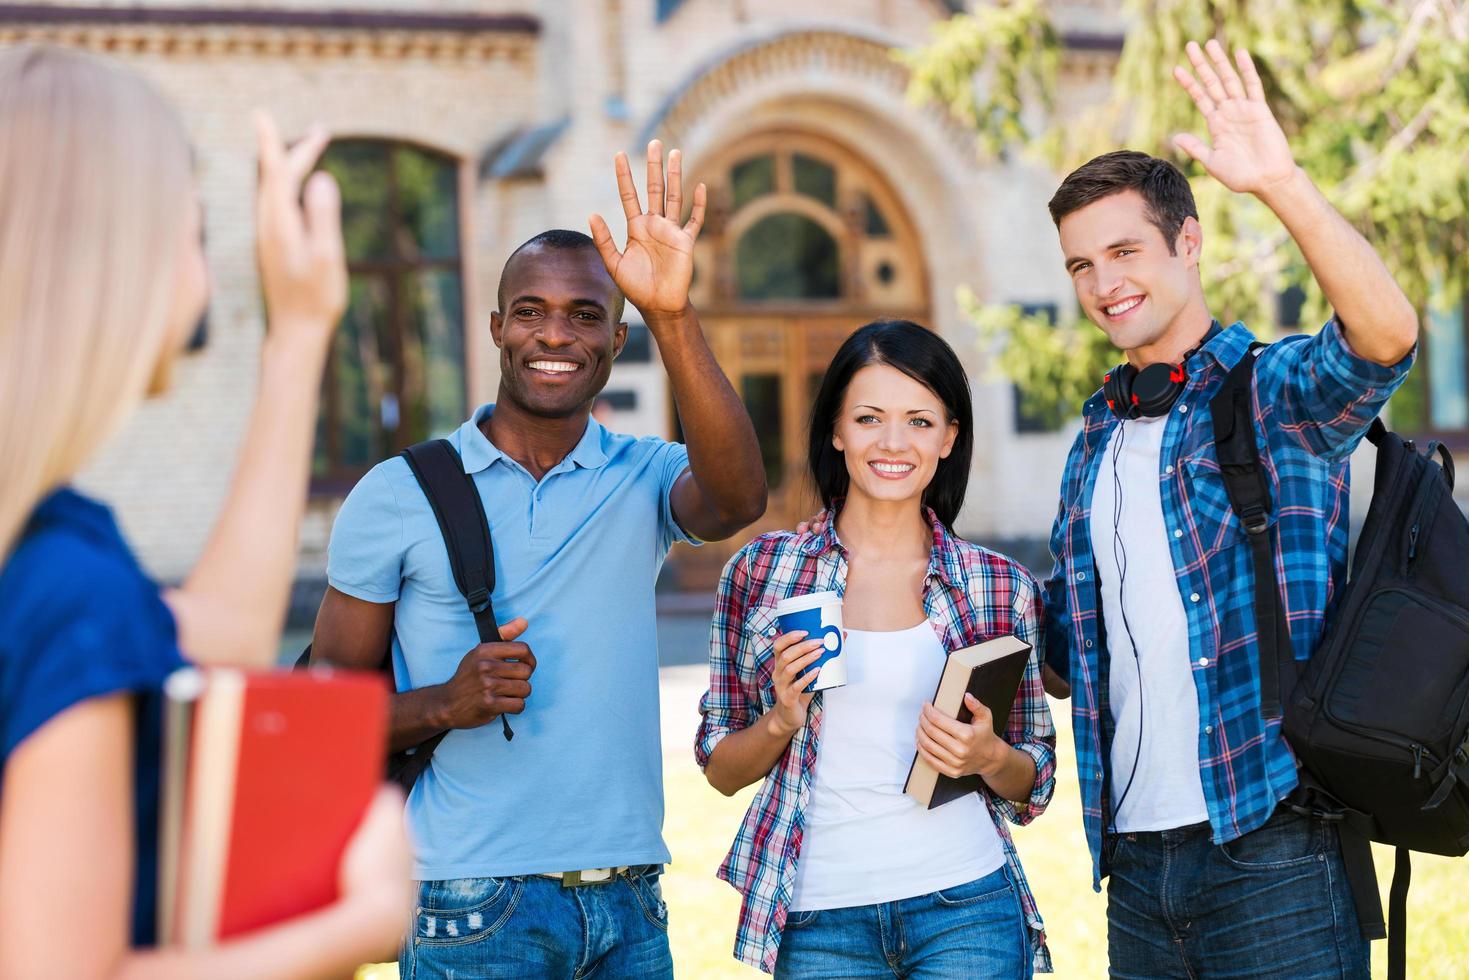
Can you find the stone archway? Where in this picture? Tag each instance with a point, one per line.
(817, 164)
(806, 242)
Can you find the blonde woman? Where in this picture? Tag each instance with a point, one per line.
(102, 277)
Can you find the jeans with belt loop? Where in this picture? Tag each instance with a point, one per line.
(531, 927)
(974, 930)
(1273, 903)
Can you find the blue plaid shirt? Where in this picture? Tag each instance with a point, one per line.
(1313, 400)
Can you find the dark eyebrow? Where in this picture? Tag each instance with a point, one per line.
(541, 301)
(1120, 243)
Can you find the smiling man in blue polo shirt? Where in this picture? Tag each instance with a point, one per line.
(581, 519)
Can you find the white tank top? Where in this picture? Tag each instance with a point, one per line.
(865, 840)
(1155, 782)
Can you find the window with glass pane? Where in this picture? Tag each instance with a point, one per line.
(1434, 398)
(761, 394)
(1448, 402)
(787, 256)
(396, 374)
(875, 223)
(361, 170)
(751, 179)
(814, 178)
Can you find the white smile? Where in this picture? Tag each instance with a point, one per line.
(554, 367)
(1118, 309)
(893, 469)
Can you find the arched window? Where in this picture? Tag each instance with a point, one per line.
(396, 373)
(804, 224)
(805, 241)
(787, 256)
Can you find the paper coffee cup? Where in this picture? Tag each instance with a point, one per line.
(820, 615)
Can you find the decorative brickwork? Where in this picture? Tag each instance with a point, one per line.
(532, 100)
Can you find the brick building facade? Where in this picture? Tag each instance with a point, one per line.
(466, 126)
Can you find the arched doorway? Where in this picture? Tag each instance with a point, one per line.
(804, 243)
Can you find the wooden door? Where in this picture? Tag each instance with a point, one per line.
(776, 364)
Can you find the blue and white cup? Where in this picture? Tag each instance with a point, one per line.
(820, 615)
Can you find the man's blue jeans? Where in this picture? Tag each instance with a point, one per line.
(530, 927)
(1273, 903)
(973, 930)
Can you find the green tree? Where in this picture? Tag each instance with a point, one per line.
(1374, 97)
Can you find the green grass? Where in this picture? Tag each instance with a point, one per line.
(703, 910)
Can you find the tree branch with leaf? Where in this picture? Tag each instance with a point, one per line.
(1372, 97)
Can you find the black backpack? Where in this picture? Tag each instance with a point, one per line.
(461, 515)
(1379, 716)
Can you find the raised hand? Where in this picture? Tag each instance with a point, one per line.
(655, 269)
(1250, 154)
(303, 266)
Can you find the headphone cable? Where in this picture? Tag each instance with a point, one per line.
(1119, 557)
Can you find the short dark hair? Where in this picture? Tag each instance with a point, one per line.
(926, 358)
(559, 239)
(1163, 186)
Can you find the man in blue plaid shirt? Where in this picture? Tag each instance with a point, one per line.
(1151, 601)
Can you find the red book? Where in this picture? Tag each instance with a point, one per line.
(266, 777)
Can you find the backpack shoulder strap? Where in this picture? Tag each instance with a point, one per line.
(1249, 495)
(461, 515)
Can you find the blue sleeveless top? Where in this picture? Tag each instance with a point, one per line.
(79, 619)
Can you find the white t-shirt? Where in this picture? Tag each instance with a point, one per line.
(1166, 790)
(865, 840)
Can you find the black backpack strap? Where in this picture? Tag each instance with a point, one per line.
(461, 515)
(1355, 831)
(1249, 496)
(1397, 916)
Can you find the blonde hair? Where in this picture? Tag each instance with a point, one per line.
(95, 183)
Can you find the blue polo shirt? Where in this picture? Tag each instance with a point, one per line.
(576, 554)
(79, 620)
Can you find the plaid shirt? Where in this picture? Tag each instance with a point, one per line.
(969, 595)
(1313, 400)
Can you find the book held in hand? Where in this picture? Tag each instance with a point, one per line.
(991, 671)
(266, 777)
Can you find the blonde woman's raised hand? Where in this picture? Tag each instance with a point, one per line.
(303, 268)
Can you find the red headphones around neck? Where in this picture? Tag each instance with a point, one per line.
(1149, 392)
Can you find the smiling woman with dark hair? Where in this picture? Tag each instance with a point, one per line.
(902, 346)
(833, 860)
